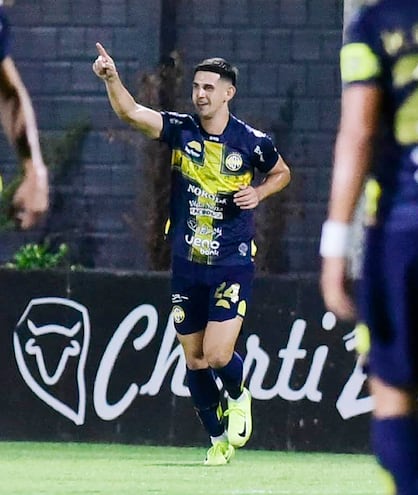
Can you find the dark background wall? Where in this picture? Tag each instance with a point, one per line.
(287, 53)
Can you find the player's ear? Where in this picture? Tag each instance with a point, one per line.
(230, 92)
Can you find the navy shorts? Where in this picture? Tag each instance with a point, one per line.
(202, 293)
(388, 304)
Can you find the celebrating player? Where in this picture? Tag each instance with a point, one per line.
(214, 156)
(30, 201)
(379, 62)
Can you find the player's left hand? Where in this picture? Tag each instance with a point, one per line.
(31, 199)
(246, 198)
(334, 290)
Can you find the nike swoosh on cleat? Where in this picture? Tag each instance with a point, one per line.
(244, 431)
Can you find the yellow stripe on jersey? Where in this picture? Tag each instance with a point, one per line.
(405, 71)
(358, 63)
(207, 175)
(1, 184)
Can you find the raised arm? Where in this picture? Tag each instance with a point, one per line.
(18, 119)
(145, 119)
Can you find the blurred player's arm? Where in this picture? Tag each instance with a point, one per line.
(19, 123)
(360, 110)
(145, 119)
(276, 179)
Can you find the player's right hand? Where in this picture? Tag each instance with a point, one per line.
(334, 291)
(31, 199)
(104, 66)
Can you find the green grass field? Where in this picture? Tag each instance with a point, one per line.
(29, 468)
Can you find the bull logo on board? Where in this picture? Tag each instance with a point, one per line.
(51, 343)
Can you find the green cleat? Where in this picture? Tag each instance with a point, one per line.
(219, 454)
(239, 419)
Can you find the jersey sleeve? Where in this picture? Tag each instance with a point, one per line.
(173, 123)
(265, 154)
(4, 35)
(360, 60)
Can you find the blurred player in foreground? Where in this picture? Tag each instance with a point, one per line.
(214, 156)
(30, 201)
(378, 135)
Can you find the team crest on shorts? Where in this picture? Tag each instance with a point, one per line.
(178, 314)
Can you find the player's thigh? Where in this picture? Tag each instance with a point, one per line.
(219, 341)
(193, 349)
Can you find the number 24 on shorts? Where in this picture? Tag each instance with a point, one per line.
(224, 292)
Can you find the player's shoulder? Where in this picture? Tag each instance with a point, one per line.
(380, 11)
(179, 119)
(246, 128)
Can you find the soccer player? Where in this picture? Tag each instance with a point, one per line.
(30, 201)
(378, 140)
(214, 156)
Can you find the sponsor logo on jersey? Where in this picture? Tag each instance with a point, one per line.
(206, 247)
(204, 230)
(197, 191)
(194, 148)
(198, 210)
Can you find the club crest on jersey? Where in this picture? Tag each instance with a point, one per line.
(233, 162)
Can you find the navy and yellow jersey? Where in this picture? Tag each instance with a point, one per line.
(205, 225)
(4, 35)
(381, 48)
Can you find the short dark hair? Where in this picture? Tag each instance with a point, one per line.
(219, 66)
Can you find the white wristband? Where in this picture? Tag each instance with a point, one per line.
(334, 239)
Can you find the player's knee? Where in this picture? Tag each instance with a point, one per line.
(218, 358)
(196, 362)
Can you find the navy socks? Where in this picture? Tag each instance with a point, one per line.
(206, 396)
(395, 443)
(231, 376)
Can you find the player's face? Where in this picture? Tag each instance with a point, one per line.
(210, 93)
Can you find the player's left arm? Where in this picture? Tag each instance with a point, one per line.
(19, 123)
(353, 155)
(275, 180)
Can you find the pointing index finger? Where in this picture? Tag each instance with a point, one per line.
(102, 51)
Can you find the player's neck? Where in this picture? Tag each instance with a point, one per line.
(216, 124)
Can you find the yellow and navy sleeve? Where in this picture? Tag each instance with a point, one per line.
(359, 56)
